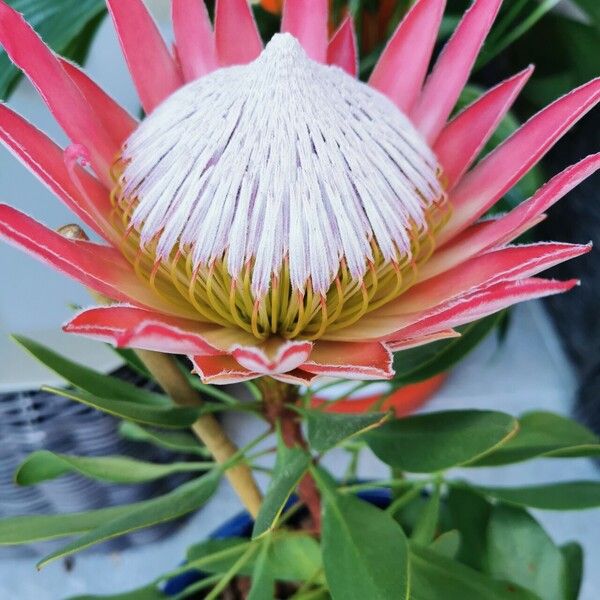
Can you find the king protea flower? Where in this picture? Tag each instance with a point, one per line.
(273, 215)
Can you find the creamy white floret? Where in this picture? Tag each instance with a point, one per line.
(280, 158)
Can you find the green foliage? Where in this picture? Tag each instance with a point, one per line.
(573, 558)
(68, 27)
(186, 498)
(291, 465)
(292, 556)
(519, 550)
(326, 430)
(177, 441)
(365, 552)
(436, 577)
(159, 416)
(571, 495)
(88, 380)
(436, 441)
(44, 465)
(544, 434)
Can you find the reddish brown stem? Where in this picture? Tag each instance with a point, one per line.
(277, 397)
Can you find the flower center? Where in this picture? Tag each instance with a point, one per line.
(282, 197)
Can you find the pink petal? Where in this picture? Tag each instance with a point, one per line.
(66, 102)
(194, 38)
(295, 377)
(272, 356)
(503, 167)
(512, 262)
(490, 233)
(236, 34)
(133, 327)
(152, 67)
(451, 71)
(485, 303)
(101, 268)
(306, 20)
(342, 51)
(221, 370)
(45, 159)
(118, 123)
(368, 360)
(402, 67)
(464, 137)
(414, 342)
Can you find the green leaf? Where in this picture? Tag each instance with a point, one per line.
(262, 576)
(294, 556)
(37, 528)
(365, 552)
(447, 544)
(160, 416)
(423, 362)
(184, 499)
(427, 522)
(436, 441)
(147, 592)
(177, 441)
(67, 27)
(132, 360)
(326, 430)
(544, 434)
(436, 577)
(571, 495)
(44, 465)
(592, 9)
(470, 514)
(290, 467)
(92, 382)
(519, 550)
(572, 554)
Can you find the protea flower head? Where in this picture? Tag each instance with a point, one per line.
(274, 215)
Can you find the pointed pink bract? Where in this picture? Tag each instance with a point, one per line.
(487, 234)
(154, 72)
(451, 72)
(342, 51)
(504, 166)
(194, 38)
(236, 34)
(401, 69)
(116, 120)
(465, 136)
(59, 92)
(306, 20)
(45, 159)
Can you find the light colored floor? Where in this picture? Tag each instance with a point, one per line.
(528, 372)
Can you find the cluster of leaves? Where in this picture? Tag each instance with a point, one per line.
(423, 535)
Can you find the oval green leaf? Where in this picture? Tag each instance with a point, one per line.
(326, 430)
(365, 552)
(519, 550)
(436, 441)
(544, 434)
(570, 495)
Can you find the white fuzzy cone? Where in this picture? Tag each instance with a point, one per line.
(283, 157)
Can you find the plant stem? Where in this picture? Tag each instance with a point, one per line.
(278, 397)
(170, 377)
